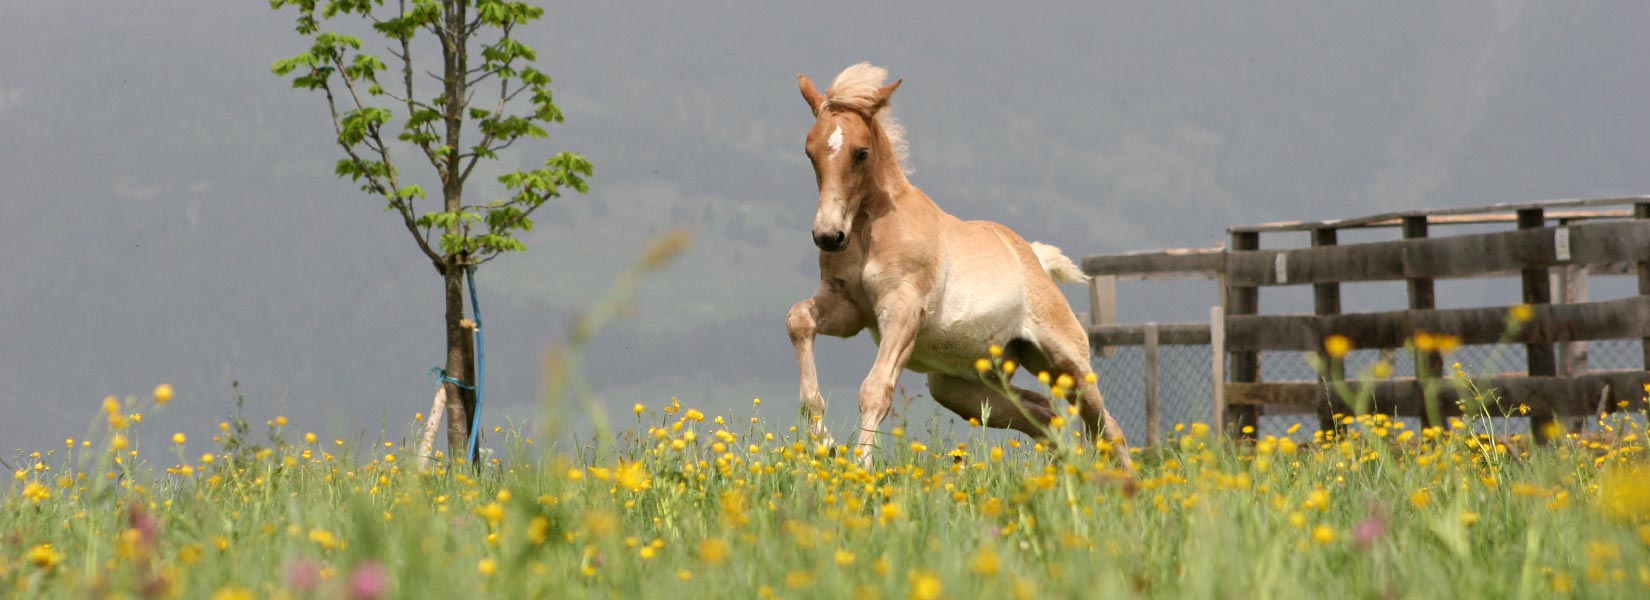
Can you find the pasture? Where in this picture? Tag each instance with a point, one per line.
(684, 504)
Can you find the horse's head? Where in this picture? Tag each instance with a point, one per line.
(854, 145)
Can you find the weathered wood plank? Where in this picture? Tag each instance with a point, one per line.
(1151, 382)
(1326, 300)
(1570, 286)
(1641, 212)
(1539, 356)
(1244, 300)
(1217, 367)
(1181, 263)
(1103, 306)
(1626, 318)
(1458, 256)
(1393, 218)
(1575, 395)
(426, 440)
(1422, 296)
(1169, 271)
(1169, 334)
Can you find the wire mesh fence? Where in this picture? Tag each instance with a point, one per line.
(1185, 387)
(1186, 384)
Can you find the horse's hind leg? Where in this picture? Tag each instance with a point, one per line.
(1066, 347)
(825, 313)
(1028, 413)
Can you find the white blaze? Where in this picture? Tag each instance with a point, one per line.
(835, 141)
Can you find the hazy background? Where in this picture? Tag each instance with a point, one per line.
(169, 212)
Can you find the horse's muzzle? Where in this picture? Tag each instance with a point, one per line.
(831, 242)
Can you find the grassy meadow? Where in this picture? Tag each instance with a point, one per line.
(682, 504)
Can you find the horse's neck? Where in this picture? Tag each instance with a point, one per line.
(901, 213)
(916, 203)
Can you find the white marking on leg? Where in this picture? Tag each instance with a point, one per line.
(835, 141)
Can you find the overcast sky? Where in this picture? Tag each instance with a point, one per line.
(170, 213)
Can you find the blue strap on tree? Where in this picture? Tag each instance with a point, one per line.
(441, 375)
(481, 370)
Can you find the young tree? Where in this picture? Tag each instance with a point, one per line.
(482, 97)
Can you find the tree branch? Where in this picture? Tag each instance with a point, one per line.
(393, 192)
(504, 97)
(414, 105)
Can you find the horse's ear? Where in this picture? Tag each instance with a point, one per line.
(884, 94)
(810, 93)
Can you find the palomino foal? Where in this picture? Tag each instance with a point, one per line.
(936, 292)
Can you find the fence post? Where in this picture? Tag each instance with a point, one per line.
(1151, 384)
(1217, 349)
(1422, 297)
(1539, 356)
(1570, 286)
(1103, 306)
(1326, 300)
(1641, 210)
(1246, 364)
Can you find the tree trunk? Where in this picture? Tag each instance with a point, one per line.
(461, 403)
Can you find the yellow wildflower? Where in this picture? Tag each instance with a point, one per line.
(633, 477)
(1626, 493)
(799, 580)
(538, 531)
(1323, 534)
(323, 538)
(714, 551)
(926, 586)
(36, 492)
(493, 512)
(1447, 343)
(1337, 346)
(844, 558)
(45, 557)
(985, 562)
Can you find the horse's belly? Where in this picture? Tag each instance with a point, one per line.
(959, 331)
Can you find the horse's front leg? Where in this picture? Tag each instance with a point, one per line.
(899, 316)
(831, 314)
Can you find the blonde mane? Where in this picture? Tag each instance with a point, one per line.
(855, 88)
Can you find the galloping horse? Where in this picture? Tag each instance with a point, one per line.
(936, 292)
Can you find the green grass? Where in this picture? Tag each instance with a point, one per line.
(683, 506)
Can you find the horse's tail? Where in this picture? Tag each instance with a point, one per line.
(1058, 266)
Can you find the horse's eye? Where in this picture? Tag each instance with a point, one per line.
(862, 154)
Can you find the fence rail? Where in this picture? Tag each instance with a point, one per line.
(1549, 323)
(1556, 245)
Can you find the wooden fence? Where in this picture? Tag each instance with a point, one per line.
(1555, 245)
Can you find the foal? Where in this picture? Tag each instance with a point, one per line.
(935, 292)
